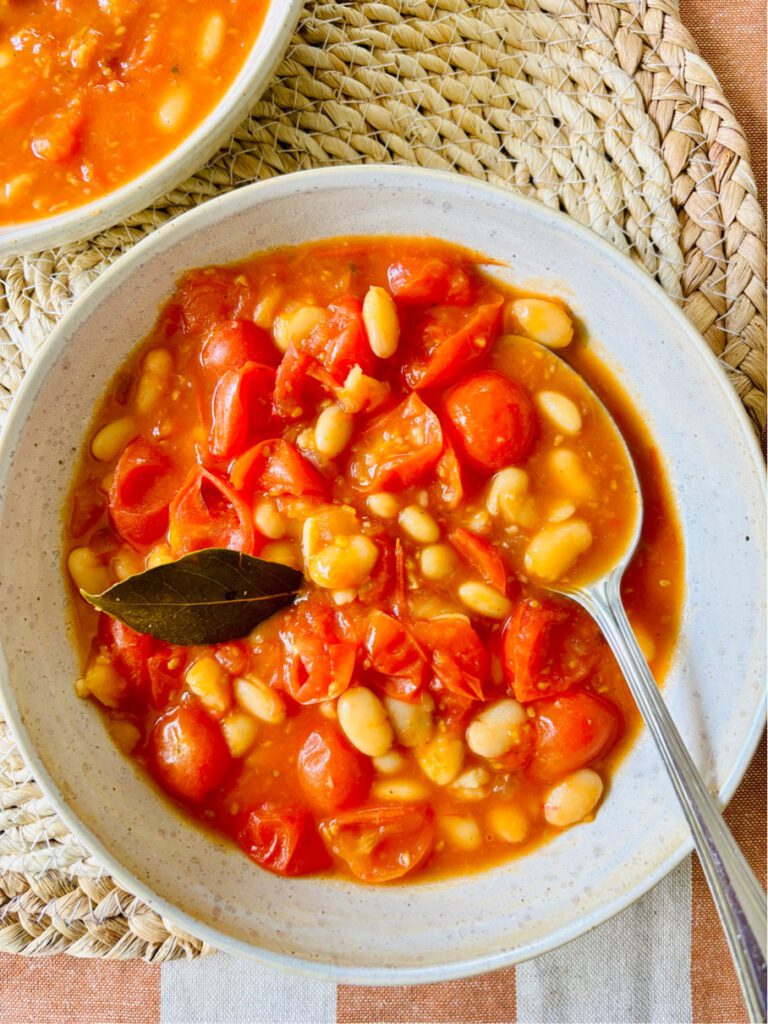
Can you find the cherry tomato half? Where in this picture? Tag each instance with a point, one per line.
(397, 448)
(447, 341)
(241, 408)
(282, 838)
(275, 467)
(548, 647)
(459, 660)
(188, 753)
(207, 513)
(144, 483)
(233, 343)
(426, 280)
(398, 664)
(318, 661)
(484, 558)
(340, 341)
(332, 774)
(382, 843)
(493, 420)
(572, 730)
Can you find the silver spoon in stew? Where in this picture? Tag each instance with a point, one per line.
(595, 584)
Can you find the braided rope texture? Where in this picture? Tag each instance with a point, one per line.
(602, 109)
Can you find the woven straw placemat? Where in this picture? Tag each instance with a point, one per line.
(605, 110)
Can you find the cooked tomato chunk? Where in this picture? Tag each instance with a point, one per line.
(398, 448)
(331, 773)
(282, 838)
(572, 730)
(188, 754)
(493, 421)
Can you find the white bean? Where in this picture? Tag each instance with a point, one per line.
(346, 562)
(570, 476)
(508, 823)
(402, 790)
(461, 832)
(484, 600)
(496, 729)
(560, 410)
(212, 38)
(333, 430)
(508, 484)
(173, 109)
(574, 798)
(240, 731)
(260, 700)
(294, 327)
(437, 561)
(419, 524)
(389, 764)
(364, 720)
(381, 322)
(412, 721)
(544, 321)
(269, 522)
(109, 442)
(441, 758)
(383, 505)
(554, 549)
(87, 570)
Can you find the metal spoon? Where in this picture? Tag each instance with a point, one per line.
(738, 896)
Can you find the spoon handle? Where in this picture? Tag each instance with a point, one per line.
(738, 896)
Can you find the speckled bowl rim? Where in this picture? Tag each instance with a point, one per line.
(55, 347)
(282, 17)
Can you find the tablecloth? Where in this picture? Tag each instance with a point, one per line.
(661, 960)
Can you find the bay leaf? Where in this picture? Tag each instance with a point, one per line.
(207, 597)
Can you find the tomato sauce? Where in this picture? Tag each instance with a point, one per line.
(377, 414)
(96, 93)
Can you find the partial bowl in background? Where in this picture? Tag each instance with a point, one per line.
(420, 931)
(189, 156)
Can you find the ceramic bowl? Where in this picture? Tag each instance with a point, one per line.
(85, 221)
(421, 931)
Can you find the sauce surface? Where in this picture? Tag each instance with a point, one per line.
(424, 708)
(95, 93)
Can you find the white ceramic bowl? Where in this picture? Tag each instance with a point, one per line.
(416, 932)
(85, 221)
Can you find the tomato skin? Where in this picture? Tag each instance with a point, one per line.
(572, 730)
(318, 662)
(144, 483)
(397, 661)
(164, 681)
(282, 838)
(481, 556)
(340, 341)
(548, 647)
(240, 407)
(425, 280)
(188, 753)
(380, 844)
(450, 485)
(397, 448)
(332, 774)
(130, 651)
(207, 513)
(459, 661)
(205, 299)
(493, 421)
(233, 343)
(275, 467)
(446, 346)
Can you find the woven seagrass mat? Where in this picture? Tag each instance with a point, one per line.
(604, 110)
